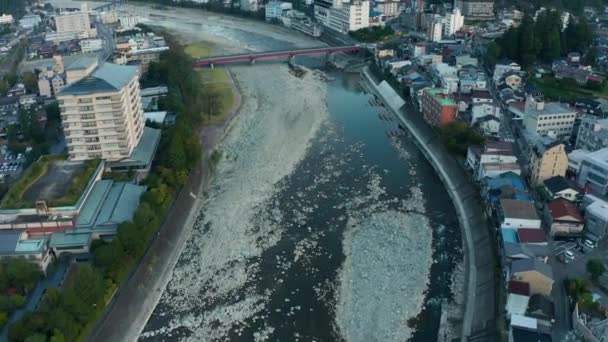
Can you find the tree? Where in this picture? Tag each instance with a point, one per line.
(131, 238)
(595, 268)
(52, 112)
(457, 136)
(36, 338)
(30, 80)
(3, 318)
(57, 336)
(493, 53)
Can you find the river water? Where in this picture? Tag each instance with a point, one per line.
(365, 225)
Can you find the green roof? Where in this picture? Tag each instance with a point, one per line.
(442, 100)
(144, 152)
(29, 246)
(69, 240)
(106, 78)
(78, 62)
(109, 204)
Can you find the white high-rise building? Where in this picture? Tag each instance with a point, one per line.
(453, 22)
(250, 5)
(435, 31)
(102, 114)
(73, 22)
(343, 16)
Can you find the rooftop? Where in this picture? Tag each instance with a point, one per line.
(59, 240)
(438, 94)
(598, 209)
(509, 235)
(109, 204)
(559, 183)
(526, 265)
(550, 108)
(563, 210)
(599, 157)
(144, 152)
(108, 77)
(79, 62)
(519, 287)
(11, 243)
(531, 235)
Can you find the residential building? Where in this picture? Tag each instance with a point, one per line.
(547, 161)
(548, 119)
(301, 22)
(492, 152)
(18, 244)
(531, 237)
(109, 17)
(563, 218)
(472, 81)
(534, 272)
(590, 107)
(275, 10)
(488, 126)
(91, 45)
(437, 107)
(453, 22)
(72, 25)
(592, 133)
(518, 298)
(435, 31)
(251, 5)
(342, 16)
(6, 19)
(512, 79)
(593, 329)
(482, 110)
(503, 66)
(130, 22)
(466, 60)
(596, 216)
(102, 114)
(476, 9)
(493, 170)
(593, 174)
(516, 214)
(575, 159)
(561, 187)
(29, 21)
(390, 8)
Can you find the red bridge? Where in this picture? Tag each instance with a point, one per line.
(251, 57)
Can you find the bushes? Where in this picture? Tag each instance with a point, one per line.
(457, 136)
(372, 34)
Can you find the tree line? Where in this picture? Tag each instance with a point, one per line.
(541, 40)
(65, 312)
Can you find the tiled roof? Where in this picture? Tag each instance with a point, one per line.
(518, 209)
(526, 265)
(531, 235)
(558, 183)
(519, 287)
(560, 208)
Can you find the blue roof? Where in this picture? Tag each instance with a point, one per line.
(8, 241)
(509, 235)
(108, 77)
(92, 205)
(29, 246)
(69, 240)
(497, 183)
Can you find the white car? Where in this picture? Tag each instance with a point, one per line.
(588, 243)
(569, 255)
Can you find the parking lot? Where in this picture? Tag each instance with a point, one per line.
(11, 165)
(581, 254)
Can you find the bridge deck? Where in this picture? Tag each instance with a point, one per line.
(273, 54)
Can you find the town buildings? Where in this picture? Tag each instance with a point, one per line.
(453, 22)
(548, 119)
(342, 16)
(476, 9)
(593, 173)
(29, 21)
(102, 114)
(503, 66)
(547, 161)
(563, 218)
(596, 216)
(73, 25)
(592, 133)
(516, 214)
(275, 10)
(435, 31)
(561, 187)
(437, 107)
(6, 19)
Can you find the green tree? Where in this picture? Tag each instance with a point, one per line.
(493, 53)
(3, 318)
(577, 287)
(30, 80)
(36, 338)
(457, 136)
(595, 268)
(52, 112)
(131, 238)
(57, 336)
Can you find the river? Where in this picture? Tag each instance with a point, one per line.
(323, 221)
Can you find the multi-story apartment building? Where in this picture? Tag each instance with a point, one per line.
(593, 174)
(548, 119)
(592, 133)
(435, 31)
(438, 108)
(547, 161)
(476, 9)
(453, 22)
(342, 16)
(102, 114)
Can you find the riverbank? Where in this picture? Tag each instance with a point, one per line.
(139, 294)
(480, 306)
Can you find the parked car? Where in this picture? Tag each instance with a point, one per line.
(588, 243)
(569, 255)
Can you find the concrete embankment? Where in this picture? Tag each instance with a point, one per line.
(479, 322)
